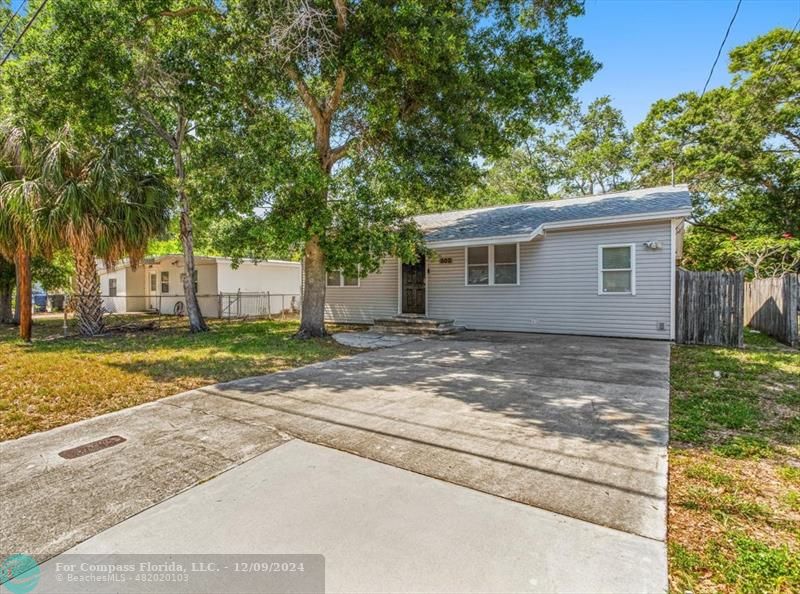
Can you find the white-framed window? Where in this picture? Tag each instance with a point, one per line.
(488, 265)
(112, 287)
(165, 281)
(153, 282)
(616, 269)
(336, 278)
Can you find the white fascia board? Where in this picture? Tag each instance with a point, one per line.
(594, 222)
(479, 241)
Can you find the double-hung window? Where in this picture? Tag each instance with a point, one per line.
(112, 287)
(336, 278)
(492, 264)
(617, 269)
(165, 282)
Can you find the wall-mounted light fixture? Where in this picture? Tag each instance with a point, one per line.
(652, 245)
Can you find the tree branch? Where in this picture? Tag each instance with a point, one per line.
(342, 150)
(305, 93)
(341, 15)
(716, 228)
(157, 127)
(333, 102)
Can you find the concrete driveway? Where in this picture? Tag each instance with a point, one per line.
(572, 425)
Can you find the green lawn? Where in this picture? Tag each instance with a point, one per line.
(734, 509)
(55, 381)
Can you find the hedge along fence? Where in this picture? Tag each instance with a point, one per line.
(709, 308)
(771, 306)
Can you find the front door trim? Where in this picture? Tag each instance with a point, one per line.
(400, 287)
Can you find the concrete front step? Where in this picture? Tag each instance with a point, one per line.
(416, 321)
(413, 324)
(438, 331)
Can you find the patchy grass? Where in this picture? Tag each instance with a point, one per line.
(55, 381)
(734, 485)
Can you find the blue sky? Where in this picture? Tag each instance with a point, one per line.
(653, 49)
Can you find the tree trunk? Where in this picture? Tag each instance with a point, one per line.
(22, 260)
(88, 301)
(312, 313)
(196, 321)
(6, 294)
(16, 300)
(7, 282)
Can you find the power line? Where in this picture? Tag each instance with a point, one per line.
(783, 50)
(721, 45)
(10, 20)
(21, 33)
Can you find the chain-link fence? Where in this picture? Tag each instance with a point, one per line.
(131, 312)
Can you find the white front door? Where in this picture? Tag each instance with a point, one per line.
(152, 291)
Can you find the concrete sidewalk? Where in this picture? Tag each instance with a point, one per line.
(49, 504)
(382, 529)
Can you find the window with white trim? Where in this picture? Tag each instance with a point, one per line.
(112, 287)
(165, 281)
(617, 269)
(337, 278)
(492, 264)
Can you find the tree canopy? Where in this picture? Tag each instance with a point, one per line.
(361, 113)
(582, 152)
(738, 147)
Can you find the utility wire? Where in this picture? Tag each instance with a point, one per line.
(10, 20)
(21, 33)
(721, 45)
(784, 50)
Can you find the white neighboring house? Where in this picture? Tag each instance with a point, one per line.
(253, 288)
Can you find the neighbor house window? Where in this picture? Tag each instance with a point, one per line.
(617, 268)
(165, 282)
(153, 282)
(336, 278)
(112, 287)
(492, 264)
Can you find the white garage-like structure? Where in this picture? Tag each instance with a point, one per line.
(254, 288)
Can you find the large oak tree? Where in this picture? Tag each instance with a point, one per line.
(363, 112)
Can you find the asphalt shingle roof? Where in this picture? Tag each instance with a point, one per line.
(521, 219)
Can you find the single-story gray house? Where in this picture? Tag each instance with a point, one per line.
(601, 265)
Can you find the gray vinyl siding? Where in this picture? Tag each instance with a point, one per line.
(375, 298)
(558, 287)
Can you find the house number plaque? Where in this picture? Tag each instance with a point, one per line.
(445, 260)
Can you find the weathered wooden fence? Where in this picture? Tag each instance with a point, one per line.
(709, 308)
(771, 306)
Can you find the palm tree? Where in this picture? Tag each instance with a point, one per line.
(22, 198)
(102, 206)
